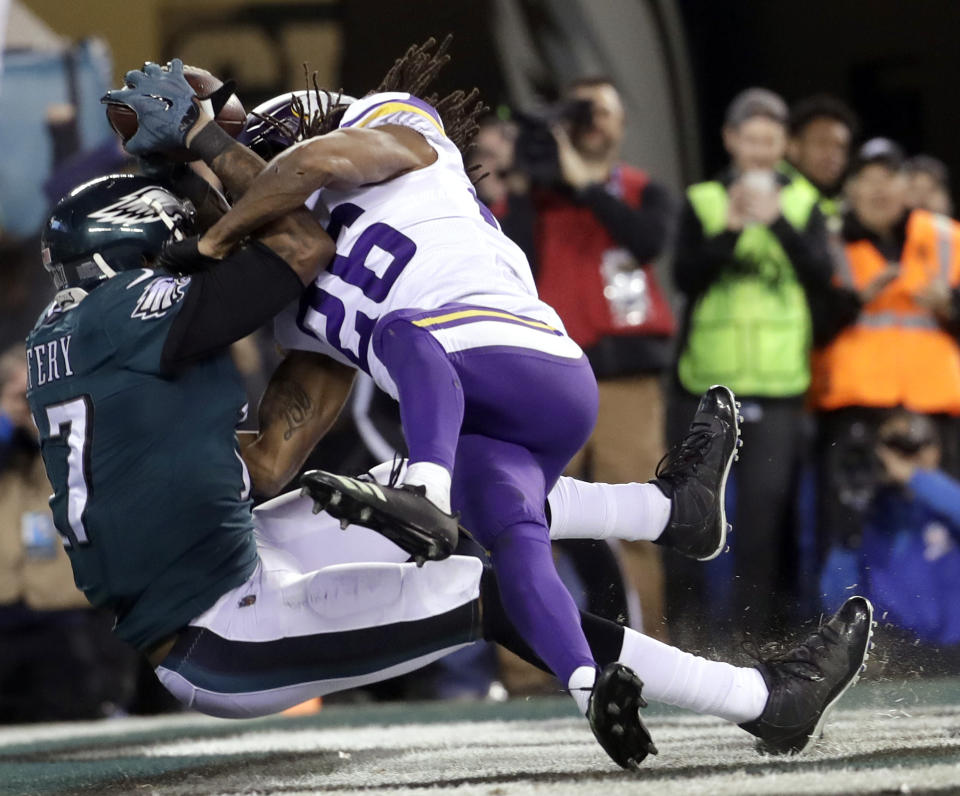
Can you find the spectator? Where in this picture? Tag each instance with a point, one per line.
(501, 186)
(24, 289)
(891, 323)
(492, 156)
(822, 128)
(929, 185)
(598, 227)
(52, 646)
(750, 245)
(908, 561)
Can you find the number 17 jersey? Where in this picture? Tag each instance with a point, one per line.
(422, 240)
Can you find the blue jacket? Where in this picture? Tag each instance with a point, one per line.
(909, 562)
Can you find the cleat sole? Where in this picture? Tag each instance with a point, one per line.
(724, 525)
(626, 740)
(818, 729)
(366, 505)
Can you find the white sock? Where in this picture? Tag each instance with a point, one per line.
(580, 685)
(674, 677)
(435, 478)
(581, 510)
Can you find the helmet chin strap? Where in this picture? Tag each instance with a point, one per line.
(164, 217)
(108, 272)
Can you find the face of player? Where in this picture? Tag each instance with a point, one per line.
(602, 139)
(925, 192)
(755, 144)
(878, 197)
(821, 151)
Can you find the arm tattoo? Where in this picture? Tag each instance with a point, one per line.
(286, 402)
(237, 167)
(234, 164)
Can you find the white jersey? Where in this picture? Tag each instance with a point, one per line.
(422, 241)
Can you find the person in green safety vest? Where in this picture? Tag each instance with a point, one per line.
(751, 245)
(821, 131)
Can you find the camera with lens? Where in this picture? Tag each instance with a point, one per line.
(536, 153)
(859, 471)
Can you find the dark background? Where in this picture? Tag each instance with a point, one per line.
(896, 63)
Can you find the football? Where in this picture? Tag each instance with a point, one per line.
(231, 118)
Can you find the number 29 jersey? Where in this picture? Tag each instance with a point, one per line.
(422, 240)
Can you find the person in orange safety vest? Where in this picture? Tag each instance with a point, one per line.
(891, 339)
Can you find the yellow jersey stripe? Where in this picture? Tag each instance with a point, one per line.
(397, 107)
(456, 316)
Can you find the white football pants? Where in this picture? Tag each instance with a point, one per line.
(325, 610)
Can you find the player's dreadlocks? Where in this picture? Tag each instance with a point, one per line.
(311, 121)
(412, 73)
(416, 70)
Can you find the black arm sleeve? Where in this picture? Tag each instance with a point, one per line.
(228, 301)
(697, 259)
(643, 230)
(807, 251)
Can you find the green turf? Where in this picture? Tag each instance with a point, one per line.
(109, 757)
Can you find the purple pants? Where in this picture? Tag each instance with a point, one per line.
(506, 421)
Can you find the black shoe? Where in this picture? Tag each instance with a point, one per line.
(614, 716)
(694, 476)
(806, 682)
(403, 513)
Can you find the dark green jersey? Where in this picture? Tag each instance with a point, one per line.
(150, 493)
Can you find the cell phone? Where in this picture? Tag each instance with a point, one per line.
(759, 181)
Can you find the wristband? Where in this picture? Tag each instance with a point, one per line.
(211, 142)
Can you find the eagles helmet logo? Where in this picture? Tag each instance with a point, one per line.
(159, 296)
(145, 206)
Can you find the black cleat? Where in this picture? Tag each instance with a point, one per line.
(403, 514)
(694, 476)
(806, 682)
(614, 716)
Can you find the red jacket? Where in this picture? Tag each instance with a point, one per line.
(574, 251)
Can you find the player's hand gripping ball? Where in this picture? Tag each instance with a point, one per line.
(159, 105)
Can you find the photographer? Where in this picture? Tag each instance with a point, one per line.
(597, 225)
(908, 560)
(751, 246)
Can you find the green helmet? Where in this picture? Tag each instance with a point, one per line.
(111, 224)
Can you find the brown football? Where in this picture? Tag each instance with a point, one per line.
(231, 118)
